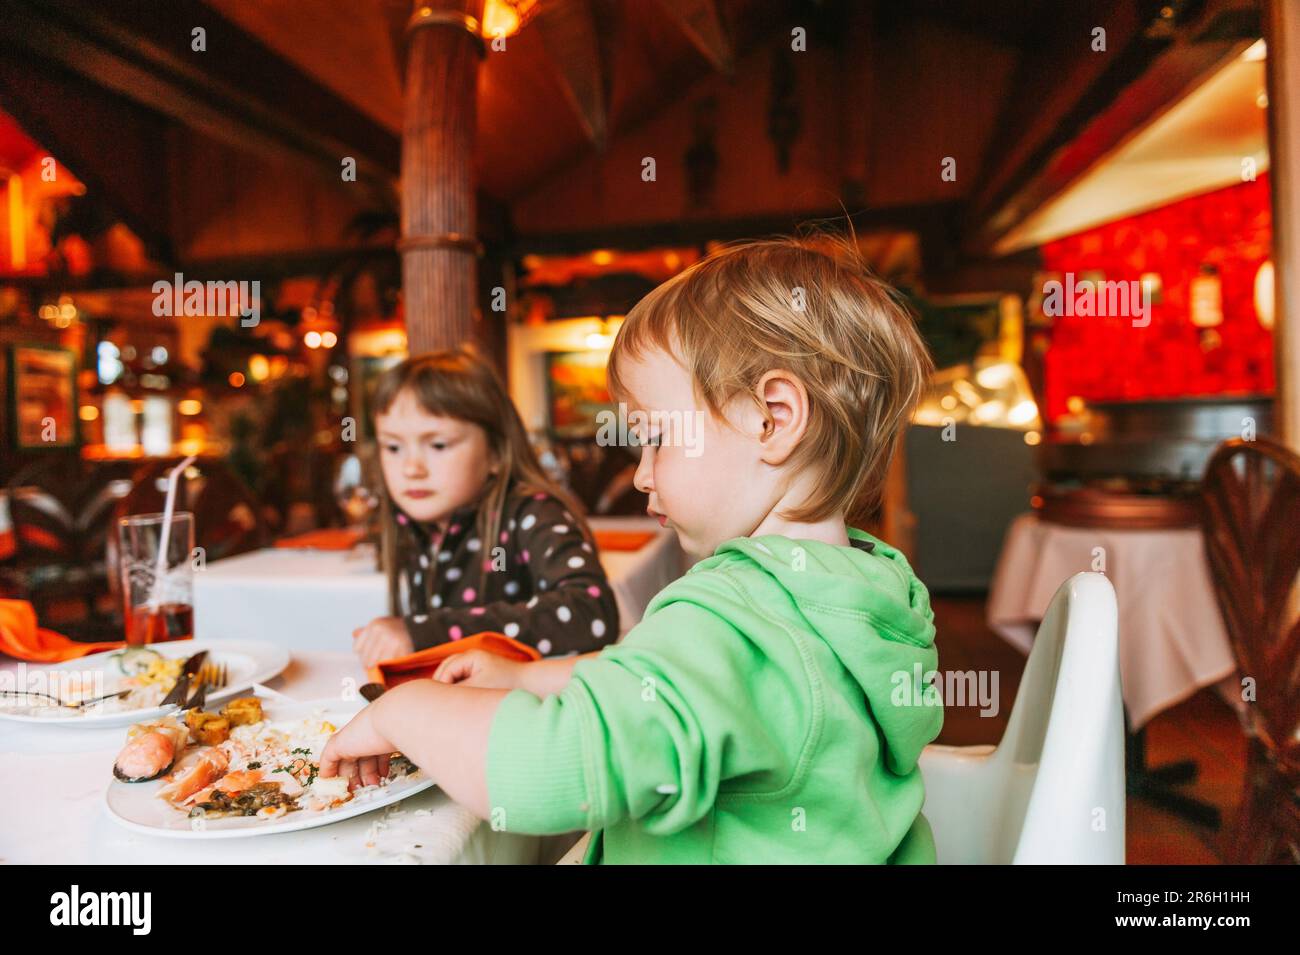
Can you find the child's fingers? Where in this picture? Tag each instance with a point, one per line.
(368, 770)
(368, 650)
(454, 669)
(347, 768)
(329, 762)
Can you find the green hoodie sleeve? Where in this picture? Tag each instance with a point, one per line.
(648, 730)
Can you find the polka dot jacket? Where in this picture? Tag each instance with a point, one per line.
(548, 589)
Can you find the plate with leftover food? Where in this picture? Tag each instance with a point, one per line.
(248, 768)
(136, 681)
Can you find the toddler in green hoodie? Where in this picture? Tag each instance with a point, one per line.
(771, 705)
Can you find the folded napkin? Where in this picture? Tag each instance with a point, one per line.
(423, 663)
(610, 539)
(327, 538)
(20, 637)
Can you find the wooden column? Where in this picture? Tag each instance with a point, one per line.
(1283, 37)
(438, 243)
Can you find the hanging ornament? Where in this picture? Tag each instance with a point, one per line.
(1264, 300)
(1207, 298)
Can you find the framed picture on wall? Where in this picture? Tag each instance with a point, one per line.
(578, 391)
(42, 396)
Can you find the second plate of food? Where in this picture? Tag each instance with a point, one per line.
(148, 672)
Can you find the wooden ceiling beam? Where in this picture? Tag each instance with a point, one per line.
(1074, 106)
(700, 21)
(236, 89)
(568, 29)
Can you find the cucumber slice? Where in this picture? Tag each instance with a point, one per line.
(135, 660)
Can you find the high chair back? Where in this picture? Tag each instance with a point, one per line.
(1052, 791)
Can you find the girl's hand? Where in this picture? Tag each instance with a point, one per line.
(381, 639)
(357, 752)
(480, 668)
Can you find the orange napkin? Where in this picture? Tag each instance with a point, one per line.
(423, 663)
(609, 539)
(327, 538)
(20, 637)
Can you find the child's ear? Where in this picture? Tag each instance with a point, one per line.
(786, 401)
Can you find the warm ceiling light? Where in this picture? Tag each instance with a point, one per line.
(602, 257)
(312, 339)
(995, 376)
(259, 369)
(1023, 412)
(329, 339)
(189, 406)
(503, 18)
(88, 413)
(236, 379)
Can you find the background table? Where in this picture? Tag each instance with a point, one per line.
(52, 809)
(1171, 636)
(304, 599)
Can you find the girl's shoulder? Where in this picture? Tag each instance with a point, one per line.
(526, 507)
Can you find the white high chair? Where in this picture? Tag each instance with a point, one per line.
(1053, 790)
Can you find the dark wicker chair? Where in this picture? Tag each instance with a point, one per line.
(1251, 512)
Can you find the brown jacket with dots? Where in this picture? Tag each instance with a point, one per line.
(548, 589)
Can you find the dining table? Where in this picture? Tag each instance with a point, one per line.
(1172, 639)
(305, 599)
(53, 811)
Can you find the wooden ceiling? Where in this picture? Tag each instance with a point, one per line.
(117, 93)
(527, 125)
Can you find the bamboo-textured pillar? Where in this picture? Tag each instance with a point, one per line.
(438, 244)
(1283, 37)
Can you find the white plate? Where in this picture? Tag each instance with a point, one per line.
(247, 662)
(137, 806)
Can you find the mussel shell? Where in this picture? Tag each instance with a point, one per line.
(143, 779)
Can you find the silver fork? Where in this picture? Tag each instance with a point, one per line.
(63, 703)
(212, 676)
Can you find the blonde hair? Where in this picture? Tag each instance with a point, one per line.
(458, 383)
(809, 306)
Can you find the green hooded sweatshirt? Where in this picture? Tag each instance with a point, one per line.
(769, 708)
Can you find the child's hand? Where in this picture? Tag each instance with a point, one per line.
(357, 752)
(381, 639)
(480, 668)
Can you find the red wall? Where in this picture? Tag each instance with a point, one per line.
(1102, 358)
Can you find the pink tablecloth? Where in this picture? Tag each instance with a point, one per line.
(1171, 636)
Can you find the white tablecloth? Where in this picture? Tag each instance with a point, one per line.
(1172, 640)
(307, 600)
(51, 804)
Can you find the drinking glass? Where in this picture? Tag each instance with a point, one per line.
(158, 608)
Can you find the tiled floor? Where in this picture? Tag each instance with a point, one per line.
(1200, 728)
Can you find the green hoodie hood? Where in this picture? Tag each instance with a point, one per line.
(868, 606)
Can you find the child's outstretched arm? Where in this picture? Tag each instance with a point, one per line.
(442, 729)
(481, 668)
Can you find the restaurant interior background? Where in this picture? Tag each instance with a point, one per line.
(980, 149)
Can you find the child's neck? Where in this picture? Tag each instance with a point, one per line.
(830, 530)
